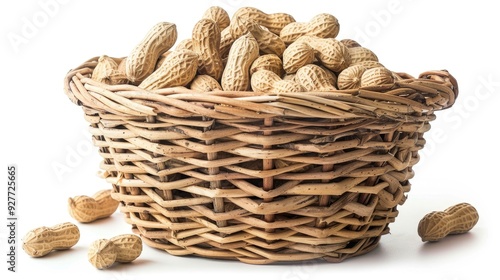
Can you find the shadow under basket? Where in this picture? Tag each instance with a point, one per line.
(260, 178)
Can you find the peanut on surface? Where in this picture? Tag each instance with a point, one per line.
(43, 240)
(124, 248)
(87, 209)
(459, 218)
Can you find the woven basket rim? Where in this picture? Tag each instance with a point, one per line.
(438, 91)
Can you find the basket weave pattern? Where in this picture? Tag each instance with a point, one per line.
(260, 178)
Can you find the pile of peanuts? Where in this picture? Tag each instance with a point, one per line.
(253, 50)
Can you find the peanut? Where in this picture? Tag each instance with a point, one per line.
(142, 60)
(459, 218)
(161, 59)
(263, 27)
(124, 248)
(269, 43)
(186, 44)
(106, 71)
(219, 15)
(314, 78)
(179, 69)
(43, 240)
(122, 65)
(119, 77)
(206, 43)
(350, 78)
(241, 56)
(102, 253)
(129, 247)
(377, 76)
(104, 68)
(273, 22)
(297, 55)
(268, 81)
(330, 75)
(270, 62)
(205, 83)
(322, 26)
(87, 209)
(330, 52)
(350, 43)
(288, 77)
(226, 41)
(368, 64)
(360, 54)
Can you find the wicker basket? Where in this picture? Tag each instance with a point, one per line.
(260, 178)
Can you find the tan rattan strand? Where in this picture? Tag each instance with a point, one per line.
(260, 178)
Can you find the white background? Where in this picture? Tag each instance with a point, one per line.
(46, 136)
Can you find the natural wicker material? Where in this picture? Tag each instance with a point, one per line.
(261, 178)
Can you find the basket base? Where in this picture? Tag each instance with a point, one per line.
(252, 255)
